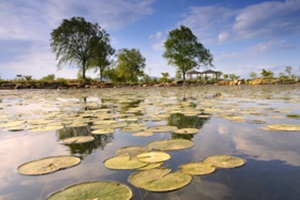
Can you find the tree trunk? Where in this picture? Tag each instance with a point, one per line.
(83, 69)
(101, 72)
(183, 75)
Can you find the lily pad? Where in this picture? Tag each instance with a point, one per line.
(153, 157)
(255, 121)
(151, 166)
(162, 128)
(132, 150)
(187, 131)
(224, 161)
(78, 140)
(48, 165)
(123, 162)
(197, 168)
(159, 180)
(283, 127)
(104, 190)
(103, 131)
(46, 128)
(171, 144)
(143, 134)
(134, 128)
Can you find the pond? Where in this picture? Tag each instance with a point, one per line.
(230, 120)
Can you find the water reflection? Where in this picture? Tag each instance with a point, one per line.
(83, 149)
(182, 121)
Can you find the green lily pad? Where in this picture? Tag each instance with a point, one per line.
(103, 131)
(123, 162)
(132, 150)
(171, 144)
(197, 168)
(294, 116)
(15, 128)
(151, 166)
(283, 127)
(162, 128)
(153, 157)
(78, 140)
(46, 128)
(187, 131)
(104, 190)
(159, 180)
(12, 124)
(143, 134)
(257, 121)
(48, 165)
(134, 128)
(224, 161)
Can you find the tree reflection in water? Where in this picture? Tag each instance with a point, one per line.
(84, 149)
(182, 121)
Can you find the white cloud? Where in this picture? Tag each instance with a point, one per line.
(207, 21)
(33, 21)
(223, 36)
(268, 19)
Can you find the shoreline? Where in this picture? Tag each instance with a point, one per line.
(76, 84)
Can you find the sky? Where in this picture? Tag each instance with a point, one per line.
(244, 36)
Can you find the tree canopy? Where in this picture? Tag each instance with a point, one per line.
(130, 64)
(184, 51)
(76, 40)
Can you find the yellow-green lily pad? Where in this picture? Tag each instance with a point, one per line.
(48, 165)
(224, 161)
(151, 166)
(104, 190)
(159, 180)
(283, 127)
(124, 162)
(78, 140)
(142, 134)
(197, 168)
(187, 131)
(171, 144)
(103, 131)
(162, 128)
(132, 150)
(153, 157)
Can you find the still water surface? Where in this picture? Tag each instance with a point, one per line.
(272, 169)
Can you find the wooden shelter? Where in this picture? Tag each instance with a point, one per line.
(191, 73)
(203, 74)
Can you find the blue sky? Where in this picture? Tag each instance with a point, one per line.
(243, 36)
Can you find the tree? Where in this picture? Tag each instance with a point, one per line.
(165, 77)
(49, 77)
(288, 71)
(184, 51)
(225, 76)
(73, 42)
(233, 76)
(253, 75)
(101, 57)
(130, 64)
(267, 74)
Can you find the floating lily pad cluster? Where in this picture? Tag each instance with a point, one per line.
(127, 111)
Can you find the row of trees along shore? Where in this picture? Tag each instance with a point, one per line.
(77, 42)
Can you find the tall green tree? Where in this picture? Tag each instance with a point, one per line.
(267, 73)
(101, 57)
(130, 64)
(288, 71)
(73, 42)
(253, 75)
(184, 51)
